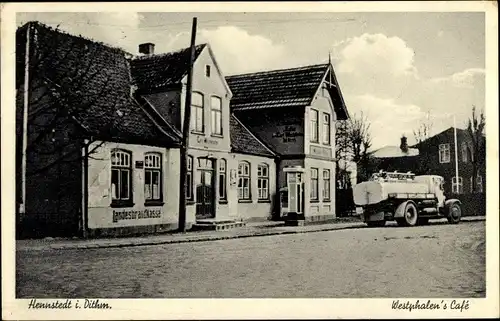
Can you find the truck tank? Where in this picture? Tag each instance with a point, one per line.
(381, 184)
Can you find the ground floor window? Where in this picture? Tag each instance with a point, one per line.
(121, 175)
(326, 184)
(263, 181)
(457, 186)
(479, 184)
(244, 181)
(314, 184)
(152, 177)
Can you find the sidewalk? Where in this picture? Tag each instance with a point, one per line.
(250, 230)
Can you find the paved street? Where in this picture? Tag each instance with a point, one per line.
(427, 261)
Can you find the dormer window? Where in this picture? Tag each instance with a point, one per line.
(207, 71)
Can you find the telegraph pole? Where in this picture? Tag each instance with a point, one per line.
(185, 134)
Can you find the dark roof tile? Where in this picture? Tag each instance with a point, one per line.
(277, 88)
(94, 81)
(163, 70)
(242, 141)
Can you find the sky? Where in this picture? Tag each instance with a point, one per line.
(396, 69)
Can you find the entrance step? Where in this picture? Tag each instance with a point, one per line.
(216, 225)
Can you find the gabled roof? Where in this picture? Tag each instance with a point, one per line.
(294, 87)
(446, 131)
(100, 95)
(162, 70)
(243, 141)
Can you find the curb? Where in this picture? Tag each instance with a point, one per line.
(210, 237)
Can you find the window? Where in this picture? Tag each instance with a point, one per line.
(314, 184)
(197, 118)
(244, 181)
(207, 71)
(326, 128)
(152, 177)
(222, 179)
(326, 184)
(121, 175)
(216, 113)
(479, 184)
(263, 181)
(189, 179)
(465, 152)
(314, 126)
(457, 188)
(444, 153)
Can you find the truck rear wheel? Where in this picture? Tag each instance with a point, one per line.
(410, 215)
(454, 213)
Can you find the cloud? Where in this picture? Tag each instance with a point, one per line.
(389, 119)
(376, 55)
(238, 51)
(463, 79)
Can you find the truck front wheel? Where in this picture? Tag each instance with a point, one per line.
(410, 216)
(454, 213)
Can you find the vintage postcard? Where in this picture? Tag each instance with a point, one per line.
(319, 160)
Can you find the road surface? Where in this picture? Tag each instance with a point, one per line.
(424, 261)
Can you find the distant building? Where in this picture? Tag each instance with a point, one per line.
(400, 158)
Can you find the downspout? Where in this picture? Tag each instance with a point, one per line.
(85, 192)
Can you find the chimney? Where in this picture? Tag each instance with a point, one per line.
(404, 144)
(147, 48)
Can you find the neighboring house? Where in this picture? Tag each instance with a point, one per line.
(438, 154)
(293, 112)
(400, 158)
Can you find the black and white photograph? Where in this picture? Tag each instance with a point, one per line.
(198, 151)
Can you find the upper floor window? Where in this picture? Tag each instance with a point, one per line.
(326, 128)
(216, 115)
(152, 177)
(244, 181)
(121, 175)
(263, 181)
(465, 152)
(222, 179)
(314, 184)
(207, 71)
(326, 184)
(444, 153)
(197, 116)
(314, 126)
(457, 187)
(189, 179)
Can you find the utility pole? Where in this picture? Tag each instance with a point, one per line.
(185, 134)
(22, 206)
(456, 153)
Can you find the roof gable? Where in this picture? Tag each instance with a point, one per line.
(293, 87)
(162, 70)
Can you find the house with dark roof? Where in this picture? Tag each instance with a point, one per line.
(98, 135)
(292, 111)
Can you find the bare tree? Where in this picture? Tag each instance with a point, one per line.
(424, 130)
(476, 150)
(354, 141)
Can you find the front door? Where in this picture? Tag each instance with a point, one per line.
(205, 189)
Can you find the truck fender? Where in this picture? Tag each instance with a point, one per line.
(400, 209)
(448, 203)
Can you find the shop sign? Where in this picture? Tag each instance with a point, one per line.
(135, 214)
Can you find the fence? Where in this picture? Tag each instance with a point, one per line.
(344, 202)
